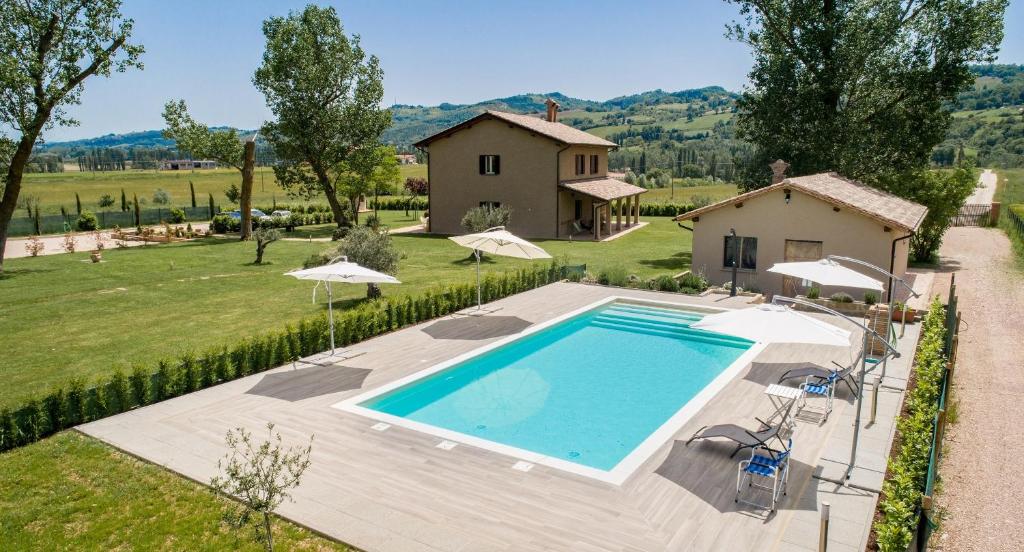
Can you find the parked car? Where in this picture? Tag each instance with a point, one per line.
(256, 214)
(281, 213)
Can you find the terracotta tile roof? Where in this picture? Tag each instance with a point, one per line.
(606, 189)
(842, 192)
(556, 131)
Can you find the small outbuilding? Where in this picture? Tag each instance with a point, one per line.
(802, 218)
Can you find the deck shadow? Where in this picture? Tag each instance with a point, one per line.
(706, 471)
(306, 383)
(476, 327)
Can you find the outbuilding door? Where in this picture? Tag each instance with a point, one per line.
(796, 251)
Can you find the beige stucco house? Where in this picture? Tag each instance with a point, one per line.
(553, 177)
(801, 219)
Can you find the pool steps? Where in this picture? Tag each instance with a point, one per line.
(661, 322)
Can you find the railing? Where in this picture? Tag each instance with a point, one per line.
(1015, 221)
(975, 214)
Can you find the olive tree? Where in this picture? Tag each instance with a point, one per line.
(325, 94)
(371, 249)
(260, 476)
(48, 48)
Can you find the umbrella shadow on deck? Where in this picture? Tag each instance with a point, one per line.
(476, 327)
(705, 469)
(306, 383)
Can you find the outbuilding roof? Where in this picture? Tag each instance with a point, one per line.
(556, 131)
(842, 192)
(606, 189)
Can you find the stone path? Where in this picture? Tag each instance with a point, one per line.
(981, 490)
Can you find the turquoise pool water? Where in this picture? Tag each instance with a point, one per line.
(587, 390)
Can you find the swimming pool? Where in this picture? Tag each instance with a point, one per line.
(594, 392)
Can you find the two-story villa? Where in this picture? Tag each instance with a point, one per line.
(553, 177)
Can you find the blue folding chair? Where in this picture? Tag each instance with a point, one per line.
(764, 463)
(821, 387)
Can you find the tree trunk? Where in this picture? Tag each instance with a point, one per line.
(12, 189)
(248, 166)
(372, 290)
(353, 201)
(267, 528)
(332, 198)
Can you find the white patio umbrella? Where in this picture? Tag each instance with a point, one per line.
(827, 273)
(498, 241)
(341, 271)
(774, 324)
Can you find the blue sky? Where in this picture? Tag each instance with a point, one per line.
(432, 51)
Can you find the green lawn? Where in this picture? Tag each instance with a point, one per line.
(65, 317)
(1010, 191)
(71, 492)
(684, 193)
(56, 189)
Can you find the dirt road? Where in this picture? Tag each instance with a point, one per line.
(981, 474)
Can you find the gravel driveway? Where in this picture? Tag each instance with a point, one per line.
(982, 485)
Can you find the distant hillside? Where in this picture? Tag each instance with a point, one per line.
(988, 124)
(141, 139)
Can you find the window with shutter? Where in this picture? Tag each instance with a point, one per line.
(581, 164)
(490, 164)
(594, 162)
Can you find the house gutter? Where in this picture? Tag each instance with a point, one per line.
(892, 265)
(558, 192)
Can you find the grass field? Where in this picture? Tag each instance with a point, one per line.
(56, 189)
(1010, 191)
(65, 317)
(71, 492)
(683, 194)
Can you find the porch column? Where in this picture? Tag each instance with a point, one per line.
(597, 223)
(608, 219)
(618, 214)
(636, 205)
(629, 211)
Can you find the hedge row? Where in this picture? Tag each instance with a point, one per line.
(75, 403)
(399, 203)
(664, 209)
(908, 470)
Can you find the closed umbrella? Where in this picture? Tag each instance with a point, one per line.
(774, 324)
(498, 241)
(827, 272)
(341, 271)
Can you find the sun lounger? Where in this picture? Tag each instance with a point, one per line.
(744, 437)
(821, 375)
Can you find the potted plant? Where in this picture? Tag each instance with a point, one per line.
(897, 313)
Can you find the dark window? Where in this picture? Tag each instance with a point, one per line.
(578, 210)
(593, 164)
(581, 164)
(490, 204)
(490, 164)
(747, 252)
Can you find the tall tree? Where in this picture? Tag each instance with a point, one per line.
(325, 94)
(857, 86)
(369, 170)
(223, 146)
(48, 48)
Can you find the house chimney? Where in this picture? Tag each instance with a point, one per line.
(552, 110)
(778, 170)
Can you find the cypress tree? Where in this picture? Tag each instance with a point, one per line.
(138, 217)
(124, 201)
(192, 190)
(211, 206)
(78, 204)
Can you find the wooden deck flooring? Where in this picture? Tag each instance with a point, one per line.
(393, 490)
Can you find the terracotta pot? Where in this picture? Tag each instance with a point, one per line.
(96, 256)
(897, 315)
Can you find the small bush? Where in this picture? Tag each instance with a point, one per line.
(870, 298)
(841, 297)
(615, 276)
(223, 224)
(813, 293)
(87, 221)
(139, 383)
(666, 283)
(176, 216)
(34, 246)
(340, 233)
(694, 281)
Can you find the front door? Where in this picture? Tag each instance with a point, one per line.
(796, 251)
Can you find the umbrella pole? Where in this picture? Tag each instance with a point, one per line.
(330, 314)
(860, 401)
(476, 252)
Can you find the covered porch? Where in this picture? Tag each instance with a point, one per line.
(597, 208)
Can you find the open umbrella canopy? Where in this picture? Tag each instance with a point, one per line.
(827, 272)
(501, 242)
(345, 272)
(774, 324)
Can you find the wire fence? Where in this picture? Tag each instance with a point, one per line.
(1015, 221)
(926, 515)
(52, 224)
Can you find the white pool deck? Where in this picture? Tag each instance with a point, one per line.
(397, 489)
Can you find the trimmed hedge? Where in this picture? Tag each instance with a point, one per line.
(908, 469)
(399, 203)
(74, 403)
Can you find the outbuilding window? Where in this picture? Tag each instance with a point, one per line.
(747, 251)
(490, 164)
(581, 164)
(594, 161)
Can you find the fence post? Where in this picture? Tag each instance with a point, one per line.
(823, 530)
(994, 214)
(875, 384)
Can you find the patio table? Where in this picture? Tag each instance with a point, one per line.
(781, 396)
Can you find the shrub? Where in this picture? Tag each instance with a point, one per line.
(161, 197)
(34, 246)
(176, 216)
(87, 221)
(870, 298)
(479, 219)
(694, 281)
(223, 224)
(666, 283)
(841, 297)
(814, 293)
(615, 276)
(139, 383)
(340, 233)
